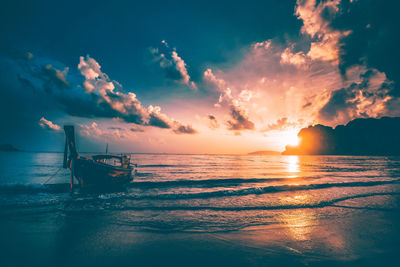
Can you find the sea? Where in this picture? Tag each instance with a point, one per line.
(204, 210)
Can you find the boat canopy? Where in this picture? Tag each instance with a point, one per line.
(120, 161)
(98, 157)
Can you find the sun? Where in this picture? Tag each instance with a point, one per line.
(291, 138)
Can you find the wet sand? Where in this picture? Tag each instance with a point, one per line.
(355, 236)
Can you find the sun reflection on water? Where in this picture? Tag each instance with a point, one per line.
(292, 166)
(304, 225)
(299, 223)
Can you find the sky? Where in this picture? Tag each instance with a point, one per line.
(192, 76)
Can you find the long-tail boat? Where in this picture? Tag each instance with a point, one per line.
(100, 171)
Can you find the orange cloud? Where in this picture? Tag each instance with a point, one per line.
(48, 125)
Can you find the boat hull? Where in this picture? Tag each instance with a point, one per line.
(91, 173)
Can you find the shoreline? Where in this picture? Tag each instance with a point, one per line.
(339, 236)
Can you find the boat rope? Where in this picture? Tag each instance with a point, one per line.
(51, 177)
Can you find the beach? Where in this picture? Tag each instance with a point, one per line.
(205, 210)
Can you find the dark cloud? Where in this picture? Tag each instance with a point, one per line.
(26, 83)
(213, 122)
(56, 76)
(373, 38)
(137, 129)
(173, 65)
(20, 97)
(307, 105)
(34, 73)
(159, 121)
(184, 129)
(365, 98)
(239, 120)
(338, 102)
(46, 75)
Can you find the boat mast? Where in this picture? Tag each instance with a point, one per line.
(65, 162)
(70, 140)
(73, 154)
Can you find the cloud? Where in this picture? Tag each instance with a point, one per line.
(245, 95)
(239, 120)
(263, 45)
(56, 76)
(93, 130)
(26, 83)
(213, 82)
(158, 119)
(333, 71)
(113, 100)
(303, 80)
(373, 37)
(173, 65)
(97, 96)
(48, 125)
(103, 132)
(29, 55)
(184, 129)
(283, 124)
(213, 122)
(106, 98)
(316, 18)
(136, 128)
(298, 59)
(90, 68)
(355, 33)
(365, 98)
(45, 75)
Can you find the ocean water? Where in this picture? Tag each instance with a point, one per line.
(301, 209)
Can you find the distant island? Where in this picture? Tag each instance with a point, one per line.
(264, 152)
(8, 148)
(359, 137)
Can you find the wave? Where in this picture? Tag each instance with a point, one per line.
(204, 183)
(71, 206)
(159, 166)
(322, 204)
(257, 190)
(43, 165)
(34, 188)
(64, 187)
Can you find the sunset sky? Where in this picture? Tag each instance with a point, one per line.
(193, 76)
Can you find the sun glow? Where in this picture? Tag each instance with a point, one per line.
(290, 138)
